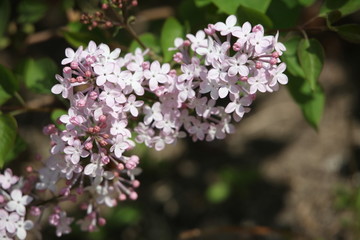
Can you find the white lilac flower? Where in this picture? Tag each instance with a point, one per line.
(7, 179)
(18, 202)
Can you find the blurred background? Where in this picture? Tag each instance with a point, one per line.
(276, 178)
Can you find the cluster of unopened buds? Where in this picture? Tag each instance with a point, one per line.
(117, 102)
(99, 19)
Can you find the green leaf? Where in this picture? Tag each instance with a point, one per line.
(349, 32)
(30, 11)
(170, 30)
(149, 40)
(8, 128)
(8, 81)
(4, 96)
(311, 57)
(290, 57)
(332, 17)
(39, 75)
(259, 5)
(253, 16)
(311, 100)
(201, 3)
(289, 3)
(4, 15)
(55, 115)
(77, 34)
(306, 2)
(218, 192)
(345, 7)
(19, 146)
(229, 8)
(284, 15)
(127, 215)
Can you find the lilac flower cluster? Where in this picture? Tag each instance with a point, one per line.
(118, 101)
(231, 71)
(13, 202)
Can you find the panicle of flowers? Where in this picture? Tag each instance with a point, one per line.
(223, 67)
(14, 199)
(118, 101)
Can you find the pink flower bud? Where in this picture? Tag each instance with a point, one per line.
(275, 54)
(67, 70)
(210, 30)
(2, 199)
(103, 143)
(136, 183)
(145, 65)
(120, 166)
(122, 197)
(187, 43)
(172, 73)
(35, 211)
(74, 120)
(97, 129)
(74, 65)
(88, 145)
(104, 6)
(102, 118)
(102, 221)
(273, 61)
(73, 80)
(81, 103)
(237, 46)
(29, 169)
(133, 195)
(106, 136)
(258, 28)
(132, 162)
(258, 65)
(54, 219)
(91, 228)
(90, 130)
(108, 24)
(79, 79)
(178, 57)
(49, 129)
(105, 160)
(243, 78)
(88, 73)
(93, 95)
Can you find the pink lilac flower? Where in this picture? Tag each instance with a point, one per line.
(8, 179)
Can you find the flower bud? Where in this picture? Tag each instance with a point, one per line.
(74, 65)
(88, 145)
(101, 221)
(67, 70)
(133, 195)
(35, 211)
(136, 183)
(93, 95)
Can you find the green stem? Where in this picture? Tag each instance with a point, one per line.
(20, 99)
